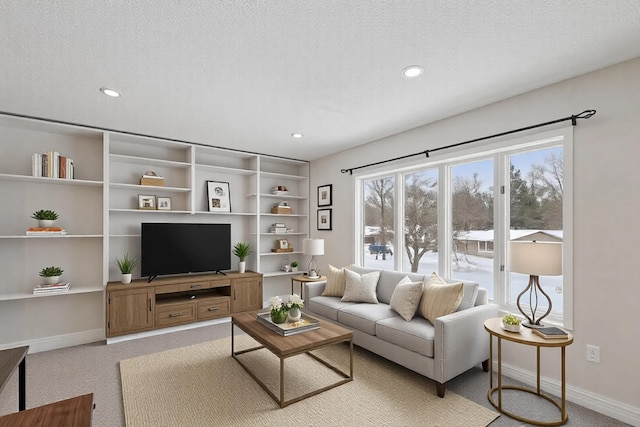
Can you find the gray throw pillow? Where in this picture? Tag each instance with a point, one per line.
(406, 297)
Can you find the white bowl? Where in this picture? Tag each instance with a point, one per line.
(511, 328)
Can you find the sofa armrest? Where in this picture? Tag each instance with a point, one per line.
(313, 289)
(461, 341)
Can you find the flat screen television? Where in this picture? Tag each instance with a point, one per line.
(183, 248)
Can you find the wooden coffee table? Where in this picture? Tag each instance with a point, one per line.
(293, 345)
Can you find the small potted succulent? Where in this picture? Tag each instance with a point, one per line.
(51, 274)
(45, 217)
(126, 264)
(510, 323)
(242, 250)
(294, 265)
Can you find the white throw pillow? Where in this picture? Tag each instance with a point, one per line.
(360, 288)
(439, 298)
(335, 282)
(406, 297)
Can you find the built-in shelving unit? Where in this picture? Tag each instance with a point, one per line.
(99, 211)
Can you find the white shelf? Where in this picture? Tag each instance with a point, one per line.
(150, 188)
(225, 169)
(57, 181)
(280, 253)
(148, 211)
(279, 196)
(148, 161)
(55, 236)
(283, 175)
(29, 295)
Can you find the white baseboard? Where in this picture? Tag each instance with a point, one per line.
(38, 345)
(161, 331)
(612, 408)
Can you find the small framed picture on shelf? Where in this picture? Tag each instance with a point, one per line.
(218, 196)
(324, 219)
(146, 202)
(164, 203)
(325, 195)
(282, 244)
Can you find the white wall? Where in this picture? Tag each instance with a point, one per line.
(606, 225)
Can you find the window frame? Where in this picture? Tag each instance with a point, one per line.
(500, 152)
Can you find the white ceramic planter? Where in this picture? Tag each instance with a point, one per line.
(125, 278)
(242, 266)
(45, 223)
(511, 328)
(52, 280)
(294, 315)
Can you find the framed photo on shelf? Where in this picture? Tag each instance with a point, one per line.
(164, 203)
(282, 244)
(325, 195)
(146, 202)
(218, 196)
(324, 219)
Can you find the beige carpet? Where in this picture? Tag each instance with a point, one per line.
(201, 385)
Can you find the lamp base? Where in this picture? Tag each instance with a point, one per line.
(532, 326)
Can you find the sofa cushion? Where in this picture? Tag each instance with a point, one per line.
(363, 317)
(406, 297)
(360, 288)
(335, 282)
(439, 298)
(389, 279)
(416, 335)
(470, 293)
(327, 306)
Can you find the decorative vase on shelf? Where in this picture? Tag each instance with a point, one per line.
(279, 316)
(242, 265)
(125, 278)
(294, 314)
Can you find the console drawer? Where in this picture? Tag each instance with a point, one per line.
(175, 314)
(213, 308)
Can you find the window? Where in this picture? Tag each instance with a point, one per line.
(379, 224)
(458, 213)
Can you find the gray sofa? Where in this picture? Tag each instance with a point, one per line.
(456, 342)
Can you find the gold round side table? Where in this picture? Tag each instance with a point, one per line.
(525, 337)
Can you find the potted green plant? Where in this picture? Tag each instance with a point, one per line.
(242, 250)
(51, 274)
(510, 323)
(294, 265)
(126, 264)
(45, 217)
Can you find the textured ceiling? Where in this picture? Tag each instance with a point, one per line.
(246, 74)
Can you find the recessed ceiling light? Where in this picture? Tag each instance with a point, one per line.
(412, 71)
(297, 135)
(110, 92)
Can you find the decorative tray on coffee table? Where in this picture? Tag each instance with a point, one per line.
(305, 324)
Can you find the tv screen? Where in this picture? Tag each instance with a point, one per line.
(182, 248)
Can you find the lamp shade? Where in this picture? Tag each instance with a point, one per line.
(313, 247)
(535, 258)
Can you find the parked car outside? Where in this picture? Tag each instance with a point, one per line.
(377, 249)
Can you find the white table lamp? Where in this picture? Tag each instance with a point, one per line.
(313, 247)
(535, 259)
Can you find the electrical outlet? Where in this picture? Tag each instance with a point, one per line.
(593, 353)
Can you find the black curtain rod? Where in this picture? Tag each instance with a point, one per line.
(574, 121)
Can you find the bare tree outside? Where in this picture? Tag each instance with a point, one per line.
(421, 216)
(379, 206)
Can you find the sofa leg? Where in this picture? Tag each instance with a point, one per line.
(440, 389)
(485, 365)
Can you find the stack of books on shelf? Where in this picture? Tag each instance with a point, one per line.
(46, 231)
(46, 289)
(278, 228)
(52, 165)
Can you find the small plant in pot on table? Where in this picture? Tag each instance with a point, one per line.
(242, 250)
(126, 264)
(51, 274)
(278, 309)
(511, 323)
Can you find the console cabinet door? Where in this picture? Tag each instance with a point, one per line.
(129, 311)
(246, 294)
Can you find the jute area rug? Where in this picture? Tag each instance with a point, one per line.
(201, 385)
